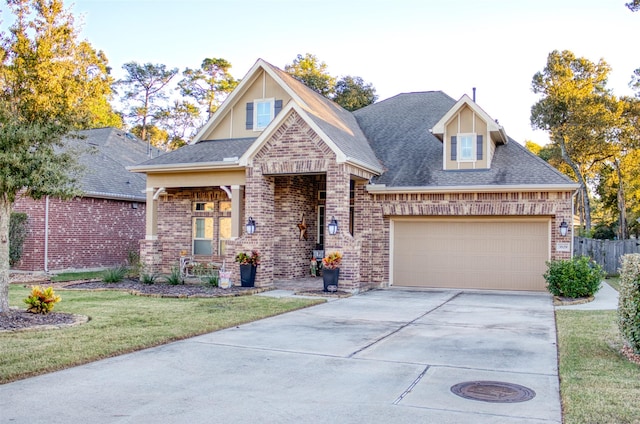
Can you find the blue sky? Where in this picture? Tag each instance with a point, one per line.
(397, 45)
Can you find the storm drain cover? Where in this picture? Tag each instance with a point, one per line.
(493, 391)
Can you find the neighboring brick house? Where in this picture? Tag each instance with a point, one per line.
(100, 228)
(427, 191)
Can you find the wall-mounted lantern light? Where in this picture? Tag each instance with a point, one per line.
(333, 226)
(251, 226)
(564, 227)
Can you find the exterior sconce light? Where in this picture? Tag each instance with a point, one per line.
(564, 227)
(251, 226)
(333, 226)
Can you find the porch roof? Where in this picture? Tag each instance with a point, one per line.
(207, 152)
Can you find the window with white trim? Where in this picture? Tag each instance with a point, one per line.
(224, 228)
(263, 113)
(202, 235)
(466, 147)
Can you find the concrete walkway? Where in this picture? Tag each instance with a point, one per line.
(605, 299)
(386, 356)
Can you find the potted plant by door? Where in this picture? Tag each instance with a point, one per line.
(248, 266)
(331, 270)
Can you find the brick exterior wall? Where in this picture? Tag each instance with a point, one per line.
(84, 233)
(282, 183)
(556, 205)
(175, 216)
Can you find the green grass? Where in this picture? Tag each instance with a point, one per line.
(73, 276)
(597, 384)
(121, 323)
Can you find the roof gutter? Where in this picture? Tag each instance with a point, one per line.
(383, 189)
(114, 196)
(198, 166)
(365, 166)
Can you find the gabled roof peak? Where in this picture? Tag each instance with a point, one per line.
(492, 125)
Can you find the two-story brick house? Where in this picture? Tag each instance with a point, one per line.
(426, 191)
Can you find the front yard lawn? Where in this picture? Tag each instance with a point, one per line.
(121, 323)
(597, 384)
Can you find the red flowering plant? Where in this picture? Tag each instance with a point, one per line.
(332, 260)
(248, 259)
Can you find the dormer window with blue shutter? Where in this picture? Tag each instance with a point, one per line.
(261, 112)
(466, 147)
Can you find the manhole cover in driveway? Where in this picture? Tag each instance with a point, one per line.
(493, 391)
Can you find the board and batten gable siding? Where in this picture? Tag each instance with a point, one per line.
(234, 123)
(466, 121)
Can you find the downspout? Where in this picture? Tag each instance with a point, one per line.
(46, 234)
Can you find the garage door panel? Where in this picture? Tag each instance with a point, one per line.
(483, 253)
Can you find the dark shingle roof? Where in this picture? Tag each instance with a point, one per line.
(105, 153)
(398, 131)
(203, 152)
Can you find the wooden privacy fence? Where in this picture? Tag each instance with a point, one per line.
(606, 253)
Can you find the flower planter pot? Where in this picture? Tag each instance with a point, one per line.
(330, 277)
(247, 275)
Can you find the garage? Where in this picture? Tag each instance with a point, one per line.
(500, 253)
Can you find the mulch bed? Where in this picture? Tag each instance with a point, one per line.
(135, 287)
(628, 353)
(20, 320)
(566, 301)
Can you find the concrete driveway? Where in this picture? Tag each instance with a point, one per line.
(386, 356)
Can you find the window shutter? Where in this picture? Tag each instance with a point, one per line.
(454, 148)
(250, 116)
(479, 147)
(277, 107)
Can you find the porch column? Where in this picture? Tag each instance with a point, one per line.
(150, 251)
(337, 206)
(237, 210)
(151, 230)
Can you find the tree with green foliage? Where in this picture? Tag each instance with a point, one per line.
(145, 86)
(18, 231)
(352, 93)
(180, 121)
(49, 82)
(210, 84)
(156, 136)
(313, 73)
(580, 115)
(533, 147)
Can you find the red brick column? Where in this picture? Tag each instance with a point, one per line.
(337, 206)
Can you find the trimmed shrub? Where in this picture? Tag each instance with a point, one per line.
(175, 278)
(629, 301)
(148, 278)
(115, 275)
(211, 280)
(576, 277)
(41, 301)
(17, 235)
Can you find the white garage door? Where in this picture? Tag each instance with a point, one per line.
(482, 253)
